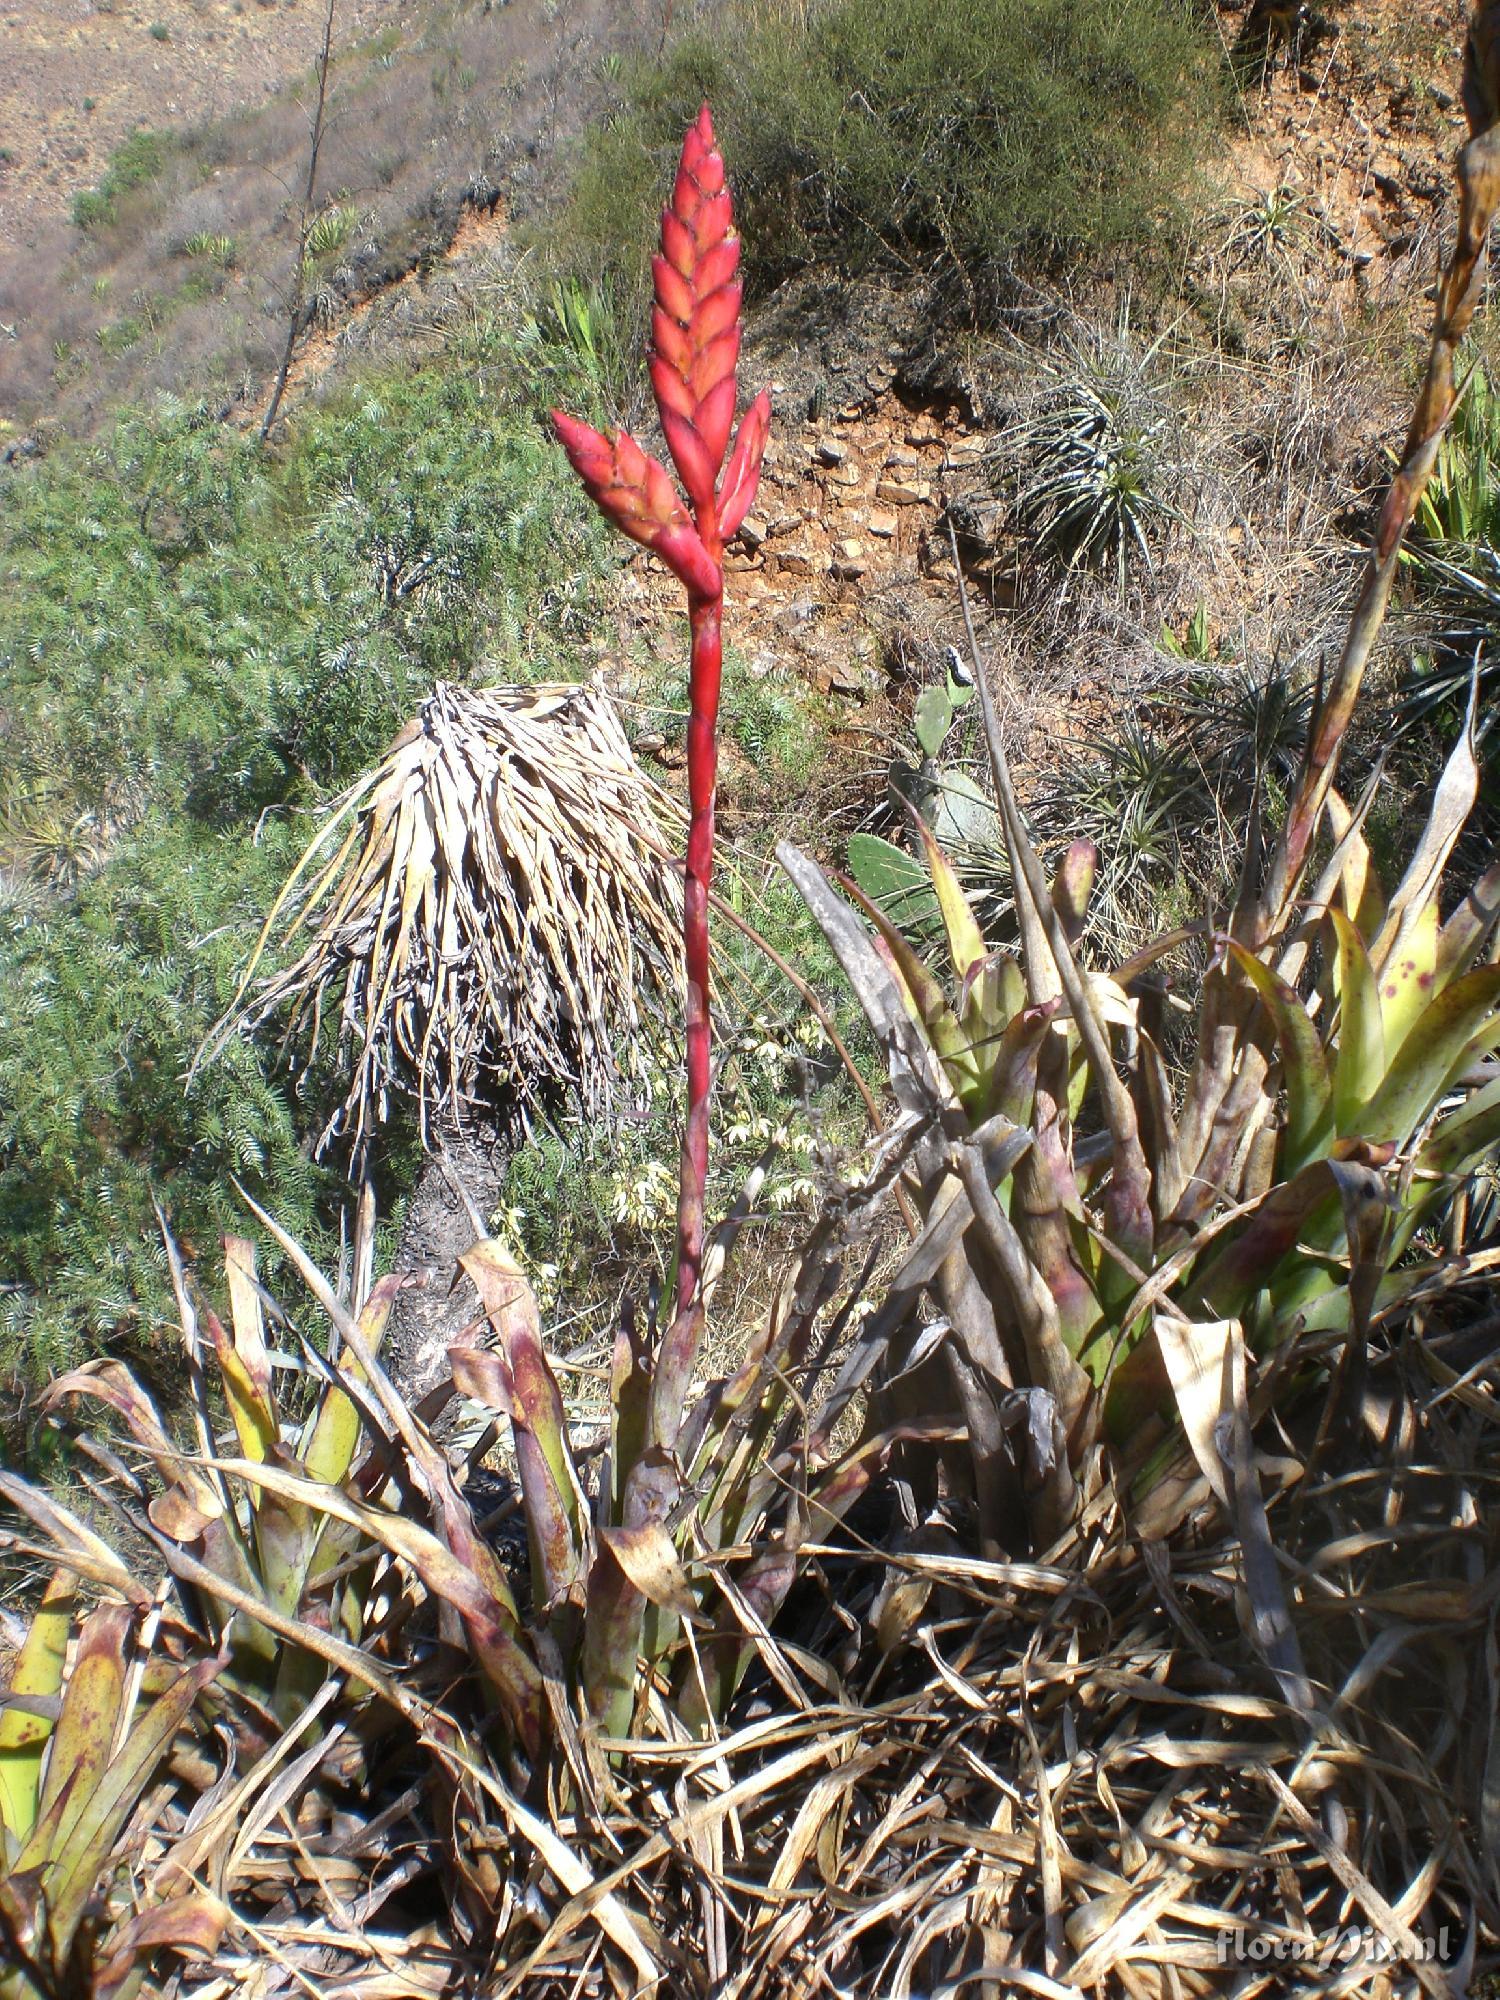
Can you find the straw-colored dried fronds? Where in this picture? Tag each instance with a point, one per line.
(1067, 1778)
(1070, 1779)
(489, 910)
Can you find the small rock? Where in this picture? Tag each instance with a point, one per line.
(843, 475)
(799, 612)
(846, 571)
(924, 434)
(881, 522)
(752, 532)
(851, 551)
(900, 457)
(797, 562)
(784, 524)
(904, 492)
(831, 452)
(651, 744)
(963, 449)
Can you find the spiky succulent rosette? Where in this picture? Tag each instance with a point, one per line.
(695, 347)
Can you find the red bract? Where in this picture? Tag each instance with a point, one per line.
(695, 345)
(635, 491)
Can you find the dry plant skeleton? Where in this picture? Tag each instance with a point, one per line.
(488, 911)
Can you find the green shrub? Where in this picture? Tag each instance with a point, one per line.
(195, 640)
(103, 1000)
(134, 162)
(878, 130)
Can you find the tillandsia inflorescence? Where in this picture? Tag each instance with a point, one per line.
(695, 344)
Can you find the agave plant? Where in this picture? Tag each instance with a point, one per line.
(1454, 558)
(1094, 460)
(1108, 1243)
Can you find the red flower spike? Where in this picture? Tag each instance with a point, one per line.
(636, 493)
(715, 421)
(690, 454)
(718, 266)
(695, 342)
(742, 478)
(695, 333)
(673, 293)
(698, 145)
(677, 246)
(719, 312)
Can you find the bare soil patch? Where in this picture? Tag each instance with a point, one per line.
(82, 75)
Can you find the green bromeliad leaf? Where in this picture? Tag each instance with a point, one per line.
(1360, 1064)
(1309, 1087)
(1445, 1034)
(38, 1673)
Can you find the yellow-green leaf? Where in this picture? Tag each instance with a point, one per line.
(335, 1437)
(1408, 981)
(38, 1672)
(965, 939)
(254, 1418)
(1304, 1066)
(85, 1734)
(1442, 1036)
(245, 1315)
(1364, 902)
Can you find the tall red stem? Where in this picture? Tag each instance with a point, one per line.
(703, 757)
(695, 343)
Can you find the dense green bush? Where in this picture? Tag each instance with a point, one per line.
(875, 131)
(195, 641)
(102, 1000)
(135, 161)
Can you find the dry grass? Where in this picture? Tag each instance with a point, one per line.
(1067, 1777)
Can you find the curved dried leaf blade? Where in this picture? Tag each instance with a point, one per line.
(650, 1561)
